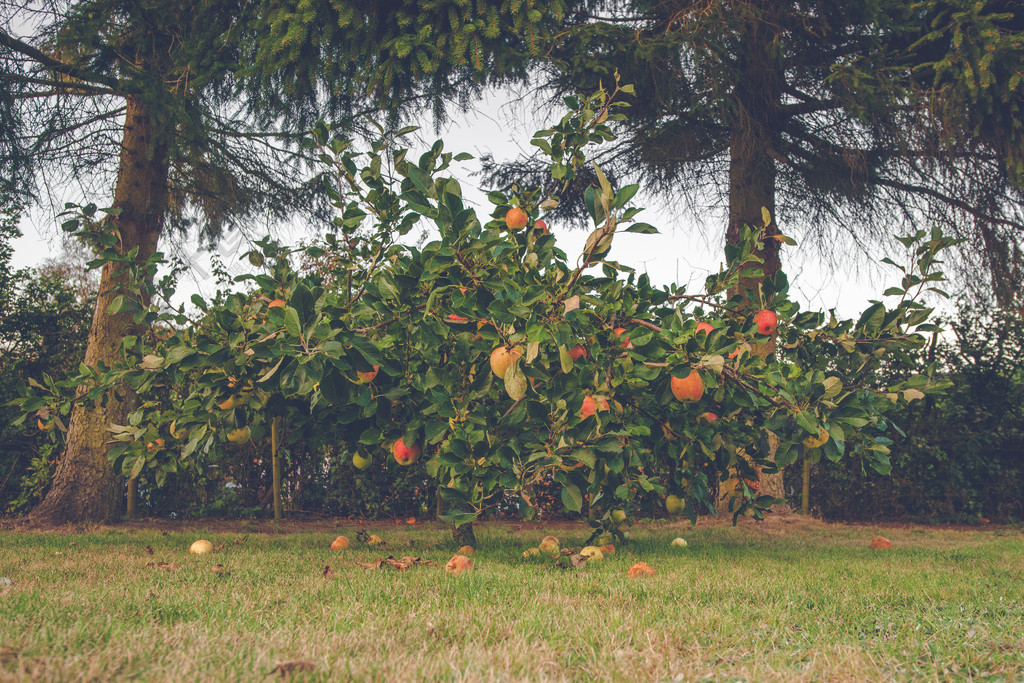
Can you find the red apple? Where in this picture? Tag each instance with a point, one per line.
(540, 226)
(367, 377)
(710, 417)
(577, 352)
(404, 455)
(591, 405)
(688, 389)
(767, 322)
(516, 218)
(618, 333)
(276, 303)
(706, 327)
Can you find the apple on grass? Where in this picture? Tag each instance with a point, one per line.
(200, 547)
(340, 543)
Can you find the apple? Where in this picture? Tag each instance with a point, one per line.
(45, 426)
(767, 322)
(374, 539)
(503, 357)
(688, 389)
(593, 553)
(360, 461)
(466, 550)
(709, 416)
(540, 226)
(674, 504)
(367, 377)
(640, 569)
(608, 549)
(240, 436)
(679, 542)
(340, 543)
(591, 405)
(154, 445)
(577, 352)
(276, 303)
(549, 545)
(705, 327)
(605, 539)
(881, 543)
(618, 516)
(200, 547)
(516, 218)
(531, 552)
(618, 333)
(458, 565)
(405, 455)
(817, 441)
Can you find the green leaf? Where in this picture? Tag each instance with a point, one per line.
(458, 518)
(291, 322)
(806, 420)
(642, 228)
(572, 499)
(515, 382)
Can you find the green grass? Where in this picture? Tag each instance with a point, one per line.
(788, 600)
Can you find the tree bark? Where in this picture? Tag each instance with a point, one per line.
(85, 488)
(463, 535)
(753, 148)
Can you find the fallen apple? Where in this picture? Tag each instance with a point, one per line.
(531, 552)
(549, 545)
(466, 550)
(340, 543)
(200, 547)
(640, 569)
(679, 542)
(458, 564)
(593, 553)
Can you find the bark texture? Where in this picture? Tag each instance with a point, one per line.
(752, 173)
(85, 487)
(463, 535)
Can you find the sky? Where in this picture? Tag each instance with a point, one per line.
(688, 248)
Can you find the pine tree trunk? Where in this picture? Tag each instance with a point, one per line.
(85, 487)
(752, 175)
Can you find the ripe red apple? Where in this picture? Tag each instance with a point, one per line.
(540, 226)
(276, 303)
(367, 377)
(706, 327)
(578, 351)
(709, 416)
(340, 543)
(767, 322)
(688, 389)
(502, 358)
(618, 333)
(405, 455)
(516, 218)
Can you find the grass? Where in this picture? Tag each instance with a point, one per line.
(787, 600)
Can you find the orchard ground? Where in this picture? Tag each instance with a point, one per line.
(787, 599)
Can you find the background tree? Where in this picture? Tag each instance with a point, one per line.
(837, 117)
(153, 85)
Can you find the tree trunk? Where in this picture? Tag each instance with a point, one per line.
(753, 148)
(85, 487)
(463, 535)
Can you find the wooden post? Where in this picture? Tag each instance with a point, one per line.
(133, 498)
(805, 497)
(275, 427)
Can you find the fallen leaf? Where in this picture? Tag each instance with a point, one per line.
(292, 666)
(149, 549)
(371, 565)
(328, 574)
(169, 566)
(411, 520)
(240, 541)
(220, 569)
(881, 543)
(640, 569)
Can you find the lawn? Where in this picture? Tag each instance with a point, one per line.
(790, 599)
